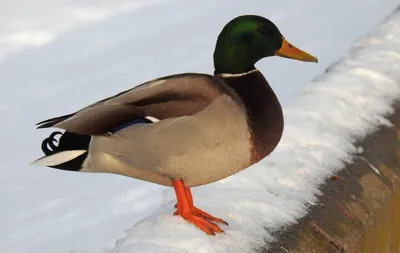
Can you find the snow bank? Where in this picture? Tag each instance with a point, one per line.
(322, 125)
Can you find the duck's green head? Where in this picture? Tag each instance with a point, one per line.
(247, 39)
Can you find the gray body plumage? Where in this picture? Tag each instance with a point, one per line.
(202, 134)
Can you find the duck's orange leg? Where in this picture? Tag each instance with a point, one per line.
(192, 214)
(198, 211)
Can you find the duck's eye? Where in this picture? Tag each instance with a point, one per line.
(264, 31)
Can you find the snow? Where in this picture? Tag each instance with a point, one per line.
(25, 24)
(52, 51)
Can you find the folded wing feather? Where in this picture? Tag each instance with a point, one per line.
(171, 96)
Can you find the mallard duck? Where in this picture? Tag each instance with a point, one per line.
(183, 130)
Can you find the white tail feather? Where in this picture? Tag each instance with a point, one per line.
(58, 158)
(152, 119)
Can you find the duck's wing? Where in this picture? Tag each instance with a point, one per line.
(171, 96)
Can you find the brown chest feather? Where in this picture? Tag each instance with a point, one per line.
(264, 112)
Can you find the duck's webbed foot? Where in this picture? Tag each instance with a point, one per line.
(194, 215)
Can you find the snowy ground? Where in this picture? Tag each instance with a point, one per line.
(25, 24)
(56, 56)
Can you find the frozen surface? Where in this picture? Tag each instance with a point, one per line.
(57, 56)
(26, 23)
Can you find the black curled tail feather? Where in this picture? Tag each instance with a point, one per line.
(67, 142)
(48, 144)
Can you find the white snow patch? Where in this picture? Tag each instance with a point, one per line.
(322, 125)
(375, 169)
(27, 37)
(25, 24)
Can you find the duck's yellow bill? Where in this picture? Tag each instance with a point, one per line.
(289, 51)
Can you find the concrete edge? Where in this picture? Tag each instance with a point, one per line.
(358, 210)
